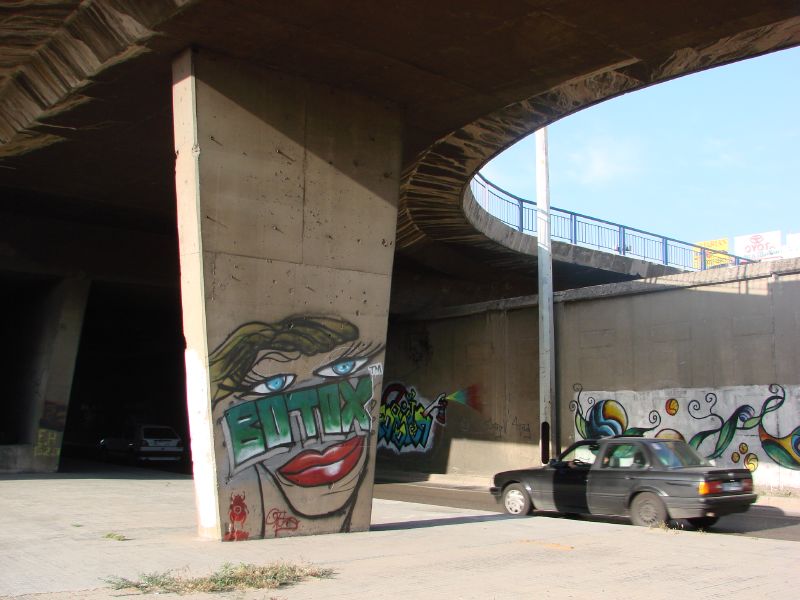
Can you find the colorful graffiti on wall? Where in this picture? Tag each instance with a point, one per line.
(293, 402)
(407, 422)
(716, 434)
(50, 430)
(606, 418)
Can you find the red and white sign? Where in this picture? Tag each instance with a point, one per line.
(759, 246)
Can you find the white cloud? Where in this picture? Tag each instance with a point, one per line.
(721, 153)
(606, 160)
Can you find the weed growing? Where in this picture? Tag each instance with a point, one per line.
(116, 536)
(228, 578)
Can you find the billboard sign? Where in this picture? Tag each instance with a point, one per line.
(759, 246)
(713, 259)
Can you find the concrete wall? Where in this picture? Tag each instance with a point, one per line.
(715, 361)
(461, 394)
(713, 357)
(287, 202)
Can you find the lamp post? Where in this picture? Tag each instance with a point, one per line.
(547, 437)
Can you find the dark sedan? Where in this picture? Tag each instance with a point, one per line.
(649, 480)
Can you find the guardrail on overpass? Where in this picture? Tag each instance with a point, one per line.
(590, 232)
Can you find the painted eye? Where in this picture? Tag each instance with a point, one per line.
(342, 368)
(276, 383)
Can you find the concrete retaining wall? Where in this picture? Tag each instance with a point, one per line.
(713, 357)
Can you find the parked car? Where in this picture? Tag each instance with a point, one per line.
(144, 443)
(649, 480)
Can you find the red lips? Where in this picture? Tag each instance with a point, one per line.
(311, 468)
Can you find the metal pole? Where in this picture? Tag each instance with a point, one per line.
(546, 336)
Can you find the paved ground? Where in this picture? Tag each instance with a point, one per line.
(52, 546)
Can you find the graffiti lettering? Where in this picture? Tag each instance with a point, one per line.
(376, 369)
(261, 425)
(496, 429)
(406, 424)
(523, 429)
(279, 520)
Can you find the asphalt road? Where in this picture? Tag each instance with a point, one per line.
(760, 521)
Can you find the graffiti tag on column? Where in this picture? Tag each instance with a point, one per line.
(279, 520)
(237, 513)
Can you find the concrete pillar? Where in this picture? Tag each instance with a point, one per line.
(48, 375)
(287, 201)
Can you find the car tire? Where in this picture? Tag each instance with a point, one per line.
(647, 510)
(703, 522)
(516, 500)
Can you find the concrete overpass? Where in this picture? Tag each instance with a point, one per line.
(320, 154)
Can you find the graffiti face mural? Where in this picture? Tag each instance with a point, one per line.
(293, 400)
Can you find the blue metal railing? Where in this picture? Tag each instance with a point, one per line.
(582, 230)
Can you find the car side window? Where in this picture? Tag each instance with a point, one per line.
(583, 455)
(624, 456)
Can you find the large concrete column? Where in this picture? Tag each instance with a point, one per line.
(287, 199)
(48, 380)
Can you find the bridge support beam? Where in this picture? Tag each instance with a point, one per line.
(44, 339)
(287, 200)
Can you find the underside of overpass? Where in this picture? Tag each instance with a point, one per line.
(392, 109)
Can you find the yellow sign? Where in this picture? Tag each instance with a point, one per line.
(713, 259)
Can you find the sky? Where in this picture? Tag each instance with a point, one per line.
(706, 156)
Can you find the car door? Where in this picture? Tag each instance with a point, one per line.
(570, 475)
(617, 474)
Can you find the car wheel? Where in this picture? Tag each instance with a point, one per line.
(516, 500)
(703, 522)
(647, 510)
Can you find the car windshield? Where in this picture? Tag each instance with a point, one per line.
(678, 454)
(159, 432)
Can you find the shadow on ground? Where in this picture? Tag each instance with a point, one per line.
(441, 522)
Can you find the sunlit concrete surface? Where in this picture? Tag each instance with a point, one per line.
(412, 550)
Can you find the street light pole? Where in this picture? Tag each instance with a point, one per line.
(547, 439)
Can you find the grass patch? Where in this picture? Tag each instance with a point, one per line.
(228, 578)
(116, 536)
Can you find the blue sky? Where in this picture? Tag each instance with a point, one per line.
(706, 156)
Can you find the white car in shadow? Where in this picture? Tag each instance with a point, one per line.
(144, 443)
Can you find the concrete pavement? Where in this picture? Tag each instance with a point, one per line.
(52, 546)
